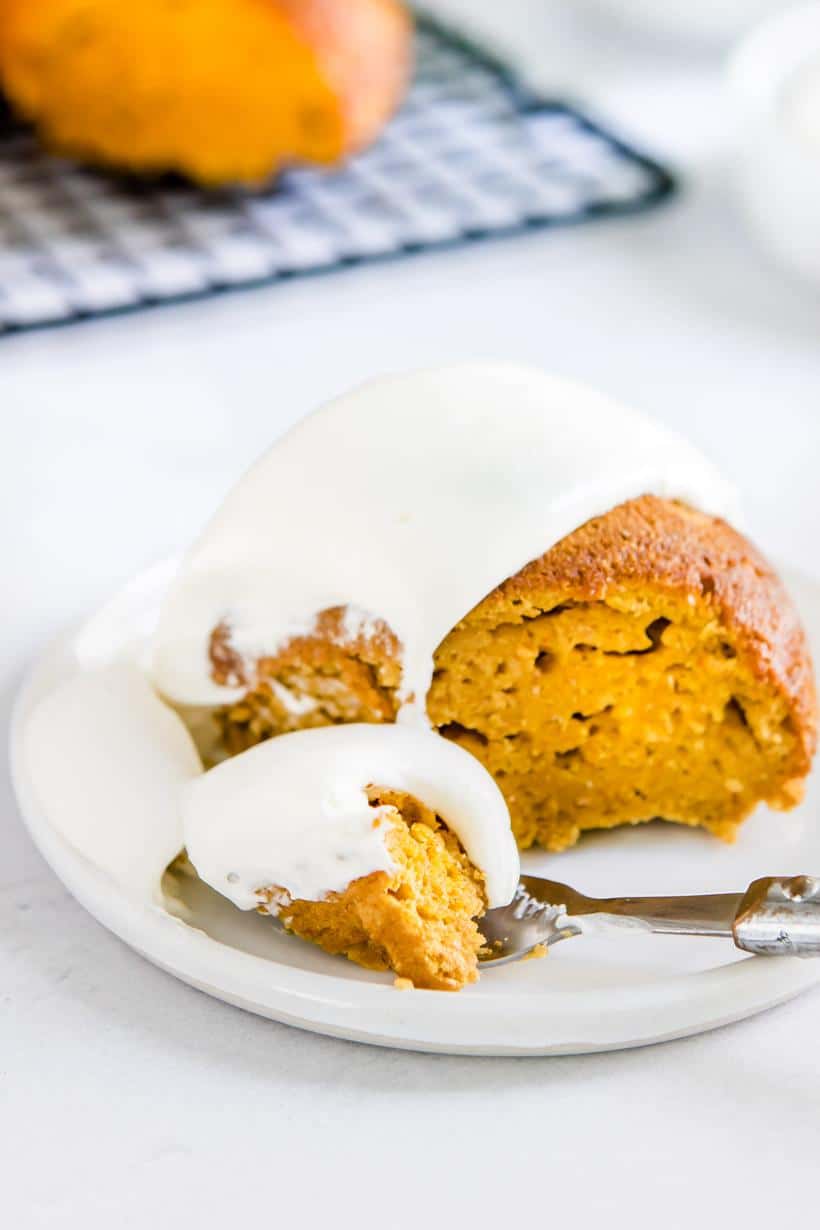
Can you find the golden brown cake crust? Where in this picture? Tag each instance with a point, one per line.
(651, 542)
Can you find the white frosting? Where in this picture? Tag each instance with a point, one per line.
(409, 500)
(109, 758)
(293, 811)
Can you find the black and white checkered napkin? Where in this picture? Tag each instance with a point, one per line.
(469, 156)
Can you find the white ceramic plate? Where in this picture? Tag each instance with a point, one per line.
(592, 993)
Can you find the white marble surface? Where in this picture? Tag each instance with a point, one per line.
(126, 1098)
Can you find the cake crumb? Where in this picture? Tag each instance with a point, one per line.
(403, 984)
(540, 950)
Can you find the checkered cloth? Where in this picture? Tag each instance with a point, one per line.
(469, 156)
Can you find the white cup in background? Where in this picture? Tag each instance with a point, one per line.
(774, 87)
(702, 21)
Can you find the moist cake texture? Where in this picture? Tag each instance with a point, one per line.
(419, 921)
(383, 843)
(650, 664)
(332, 675)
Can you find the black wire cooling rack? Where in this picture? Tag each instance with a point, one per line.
(470, 155)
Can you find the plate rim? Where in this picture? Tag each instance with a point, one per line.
(569, 1021)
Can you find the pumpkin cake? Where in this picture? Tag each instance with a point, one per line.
(519, 568)
(419, 920)
(392, 877)
(650, 664)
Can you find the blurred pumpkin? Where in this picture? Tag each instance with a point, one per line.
(224, 91)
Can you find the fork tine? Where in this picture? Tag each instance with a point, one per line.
(526, 923)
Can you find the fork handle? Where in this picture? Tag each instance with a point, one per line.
(780, 916)
(777, 916)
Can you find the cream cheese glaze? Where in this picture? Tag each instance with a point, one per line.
(408, 500)
(293, 812)
(109, 758)
(405, 501)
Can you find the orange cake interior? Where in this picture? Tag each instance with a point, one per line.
(649, 665)
(419, 920)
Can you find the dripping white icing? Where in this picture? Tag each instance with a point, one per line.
(293, 811)
(405, 501)
(109, 759)
(408, 500)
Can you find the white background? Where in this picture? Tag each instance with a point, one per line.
(126, 1098)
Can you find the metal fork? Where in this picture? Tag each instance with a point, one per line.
(775, 916)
